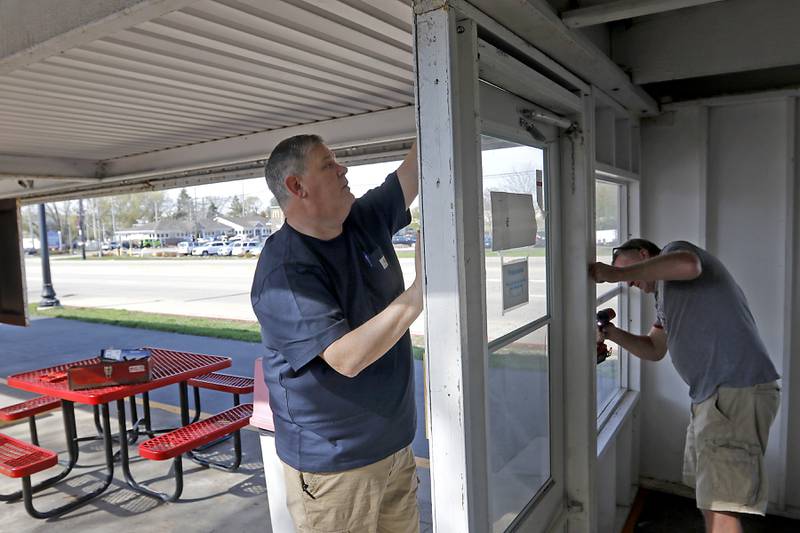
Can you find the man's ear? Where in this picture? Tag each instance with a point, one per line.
(644, 254)
(294, 185)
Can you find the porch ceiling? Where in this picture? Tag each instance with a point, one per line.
(209, 71)
(214, 69)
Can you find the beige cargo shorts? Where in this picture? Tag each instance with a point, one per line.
(380, 497)
(725, 445)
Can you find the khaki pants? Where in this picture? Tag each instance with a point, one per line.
(725, 445)
(377, 498)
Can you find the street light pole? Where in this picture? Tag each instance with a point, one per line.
(81, 235)
(48, 293)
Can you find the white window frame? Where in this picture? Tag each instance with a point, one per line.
(609, 418)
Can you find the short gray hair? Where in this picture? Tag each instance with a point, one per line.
(288, 158)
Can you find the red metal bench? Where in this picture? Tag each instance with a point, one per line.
(220, 382)
(183, 440)
(29, 409)
(21, 460)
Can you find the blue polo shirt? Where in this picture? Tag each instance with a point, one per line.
(307, 293)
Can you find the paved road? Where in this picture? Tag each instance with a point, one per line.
(221, 287)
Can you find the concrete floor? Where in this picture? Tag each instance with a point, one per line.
(667, 513)
(212, 500)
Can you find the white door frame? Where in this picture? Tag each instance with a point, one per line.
(448, 121)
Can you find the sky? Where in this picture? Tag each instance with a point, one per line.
(495, 163)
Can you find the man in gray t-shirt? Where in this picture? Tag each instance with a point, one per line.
(705, 323)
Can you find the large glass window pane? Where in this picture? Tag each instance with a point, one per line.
(608, 372)
(518, 169)
(608, 224)
(519, 425)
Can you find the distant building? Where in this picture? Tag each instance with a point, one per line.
(170, 231)
(250, 227)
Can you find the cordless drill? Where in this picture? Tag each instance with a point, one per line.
(604, 318)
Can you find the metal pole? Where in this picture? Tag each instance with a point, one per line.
(30, 229)
(48, 294)
(81, 233)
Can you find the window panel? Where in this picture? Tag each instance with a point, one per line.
(512, 168)
(519, 425)
(609, 227)
(609, 371)
(608, 223)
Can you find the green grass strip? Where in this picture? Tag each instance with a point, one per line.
(239, 330)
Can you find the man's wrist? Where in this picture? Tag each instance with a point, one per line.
(616, 274)
(610, 332)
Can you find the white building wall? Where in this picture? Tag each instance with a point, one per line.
(721, 175)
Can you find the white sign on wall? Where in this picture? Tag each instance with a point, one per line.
(513, 220)
(514, 276)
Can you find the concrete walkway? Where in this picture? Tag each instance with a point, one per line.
(212, 500)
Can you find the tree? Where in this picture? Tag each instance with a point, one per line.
(606, 206)
(183, 206)
(236, 208)
(415, 218)
(251, 205)
(213, 210)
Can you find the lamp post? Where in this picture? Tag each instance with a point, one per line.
(81, 233)
(48, 293)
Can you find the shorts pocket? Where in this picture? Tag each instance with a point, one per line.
(734, 471)
(716, 407)
(310, 483)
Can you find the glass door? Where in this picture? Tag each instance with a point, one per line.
(524, 431)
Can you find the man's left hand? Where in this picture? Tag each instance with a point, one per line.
(602, 273)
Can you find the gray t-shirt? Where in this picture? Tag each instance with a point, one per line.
(711, 334)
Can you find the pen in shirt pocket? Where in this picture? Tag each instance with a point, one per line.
(367, 259)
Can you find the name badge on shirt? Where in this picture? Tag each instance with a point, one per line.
(376, 257)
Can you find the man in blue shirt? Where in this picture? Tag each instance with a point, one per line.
(328, 292)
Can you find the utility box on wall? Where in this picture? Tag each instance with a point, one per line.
(13, 302)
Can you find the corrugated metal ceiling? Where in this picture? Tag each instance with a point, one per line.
(214, 70)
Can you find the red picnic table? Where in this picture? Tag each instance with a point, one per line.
(168, 367)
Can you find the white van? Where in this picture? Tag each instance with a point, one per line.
(244, 247)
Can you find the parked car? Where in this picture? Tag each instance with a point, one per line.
(257, 250)
(226, 249)
(243, 247)
(404, 238)
(112, 245)
(185, 247)
(211, 248)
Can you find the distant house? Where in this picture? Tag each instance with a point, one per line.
(210, 229)
(251, 227)
(170, 231)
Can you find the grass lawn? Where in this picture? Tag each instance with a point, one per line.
(240, 330)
